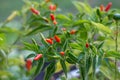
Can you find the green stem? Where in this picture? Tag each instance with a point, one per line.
(85, 67)
(116, 48)
(94, 67)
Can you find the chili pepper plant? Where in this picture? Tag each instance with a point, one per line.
(87, 39)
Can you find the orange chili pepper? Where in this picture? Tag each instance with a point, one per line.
(38, 57)
(57, 39)
(102, 7)
(33, 10)
(54, 22)
(62, 53)
(28, 64)
(72, 31)
(49, 41)
(52, 7)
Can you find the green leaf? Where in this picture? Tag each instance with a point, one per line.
(84, 35)
(69, 60)
(5, 73)
(94, 49)
(82, 7)
(100, 45)
(34, 42)
(40, 28)
(73, 57)
(81, 56)
(88, 65)
(65, 45)
(82, 71)
(49, 71)
(63, 17)
(62, 62)
(3, 54)
(36, 45)
(31, 47)
(39, 67)
(2, 40)
(10, 30)
(55, 30)
(109, 73)
(106, 72)
(112, 54)
(78, 22)
(30, 55)
(101, 27)
(76, 46)
(43, 39)
(94, 62)
(98, 12)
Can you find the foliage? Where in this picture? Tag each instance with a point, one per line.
(77, 39)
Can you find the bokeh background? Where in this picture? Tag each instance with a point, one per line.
(7, 6)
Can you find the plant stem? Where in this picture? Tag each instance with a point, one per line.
(85, 66)
(116, 48)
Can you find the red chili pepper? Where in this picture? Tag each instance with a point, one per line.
(108, 6)
(38, 57)
(57, 39)
(52, 7)
(52, 17)
(72, 31)
(87, 45)
(54, 22)
(28, 64)
(33, 10)
(102, 7)
(49, 41)
(62, 53)
(63, 29)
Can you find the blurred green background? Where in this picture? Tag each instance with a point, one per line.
(7, 6)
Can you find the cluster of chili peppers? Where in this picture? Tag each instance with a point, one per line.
(52, 16)
(50, 40)
(52, 8)
(29, 61)
(107, 8)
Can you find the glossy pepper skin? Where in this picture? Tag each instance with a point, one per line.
(33, 10)
(57, 39)
(72, 31)
(28, 64)
(62, 53)
(108, 6)
(87, 45)
(38, 57)
(50, 41)
(101, 7)
(52, 17)
(52, 7)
